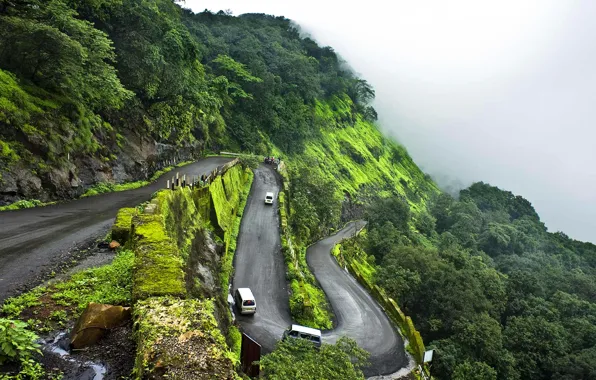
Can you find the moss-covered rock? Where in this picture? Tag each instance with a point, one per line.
(179, 339)
(158, 267)
(223, 209)
(122, 225)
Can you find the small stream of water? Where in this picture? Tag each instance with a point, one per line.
(59, 346)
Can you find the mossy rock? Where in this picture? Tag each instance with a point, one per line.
(122, 225)
(223, 209)
(417, 346)
(409, 325)
(179, 339)
(396, 312)
(158, 268)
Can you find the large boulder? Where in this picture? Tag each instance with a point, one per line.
(95, 322)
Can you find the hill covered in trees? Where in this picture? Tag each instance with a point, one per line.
(87, 87)
(488, 287)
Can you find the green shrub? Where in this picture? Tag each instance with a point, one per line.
(109, 284)
(25, 203)
(236, 337)
(16, 342)
(13, 307)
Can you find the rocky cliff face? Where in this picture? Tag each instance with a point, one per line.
(137, 159)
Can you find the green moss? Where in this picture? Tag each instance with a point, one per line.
(25, 204)
(182, 219)
(7, 152)
(123, 224)
(158, 268)
(235, 336)
(179, 339)
(223, 209)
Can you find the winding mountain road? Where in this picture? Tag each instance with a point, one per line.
(31, 240)
(259, 265)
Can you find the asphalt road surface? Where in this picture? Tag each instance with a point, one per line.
(259, 265)
(31, 239)
(357, 314)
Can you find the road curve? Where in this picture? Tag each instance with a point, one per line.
(259, 265)
(32, 239)
(357, 314)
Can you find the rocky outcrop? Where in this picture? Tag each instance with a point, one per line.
(137, 159)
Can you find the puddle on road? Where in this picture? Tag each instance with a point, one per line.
(59, 346)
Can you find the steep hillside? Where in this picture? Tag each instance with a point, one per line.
(110, 91)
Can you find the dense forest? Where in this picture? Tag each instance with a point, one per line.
(488, 287)
(84, 82)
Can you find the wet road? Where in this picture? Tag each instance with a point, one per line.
(32, 239)
(357, 314)
(259, 265)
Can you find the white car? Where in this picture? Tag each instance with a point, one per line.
(245, 301)
(269, 198)
(303, 332)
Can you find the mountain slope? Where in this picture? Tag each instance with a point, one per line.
(88, 88)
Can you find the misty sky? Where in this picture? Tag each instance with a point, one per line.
(500, 91)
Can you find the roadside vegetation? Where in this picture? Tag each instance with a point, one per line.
(53, 307)
(18, 205)
(47, 308)
(299, 359)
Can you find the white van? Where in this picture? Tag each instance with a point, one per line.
(269, 198)
(245, 301)
(303, 332)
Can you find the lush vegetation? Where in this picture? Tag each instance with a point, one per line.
(25, 204)
(299, 359)
(497, 295)
(48, 308)
(250, 83)
(78, 76)
(18, 343)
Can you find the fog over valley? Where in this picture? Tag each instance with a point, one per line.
(500, 93)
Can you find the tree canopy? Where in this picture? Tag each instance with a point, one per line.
(299, 359)
(490, 289)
